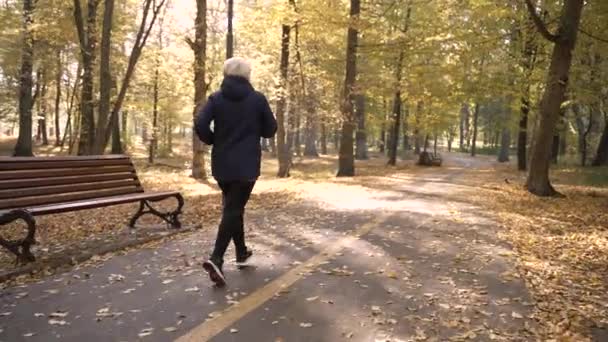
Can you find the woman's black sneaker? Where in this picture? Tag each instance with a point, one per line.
(215, 273)
(243, 260)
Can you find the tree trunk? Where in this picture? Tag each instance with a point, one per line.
(417, 137)
(199, 46)
(105, 74)
(404, 128)
(58, 77)
(601, 156)
(522, 136)
(323, 138)
(396, 121)
(475, 122)
(361, 135)
(346, 160)
(23, 148)
(382, 143)
(297, 143)
(42, 108)
(284, 154)
(553, 96)
(505, 144)
(124, 130)
(310, 146)
(229, 34)
(154, 140)
(464, 124)
(88, 43)
(394, 140)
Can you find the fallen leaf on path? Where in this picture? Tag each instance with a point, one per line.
(170, 329)
(516, 315)
(28, 334)
(305, 325)
(4, 314)
(167, 281)
(193, 289)
(311, 299)
(127, 291)
(58, 314)
(145, 332)
(234, 331)
(57, 322)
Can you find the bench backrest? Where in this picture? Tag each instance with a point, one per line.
(34, 181)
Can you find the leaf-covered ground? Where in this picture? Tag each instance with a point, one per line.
(561, 245)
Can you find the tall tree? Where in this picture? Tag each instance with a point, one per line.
(346, 159)
(151, 11)
(555, 90)
(87, 38)
(284, 151)
(24, 142)
(199, 47)
(105, 73)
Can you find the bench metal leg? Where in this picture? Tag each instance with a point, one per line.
(172, 218)
(21, 248)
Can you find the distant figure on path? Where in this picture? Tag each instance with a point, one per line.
(241, 116)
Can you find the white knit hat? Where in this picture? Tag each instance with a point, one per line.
(237, 66)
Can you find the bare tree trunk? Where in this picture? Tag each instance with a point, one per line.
(346, 158)
(323, 138)
(105, 74)
(554, 94)
(283, 151)
(229, 34)
(601, 156)
(154, 140)
(24, 141)
(505, 144)
(124, 130)
(58, 77)
(199, 46)
(404, 128)
(297, 133)
(310, 133)
(42, 108)
(396, 122)
(475, 122)
(88, 43)
(361, 135)
(417, 137)
(464, 117)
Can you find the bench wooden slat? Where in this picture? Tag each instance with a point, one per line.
(99, 202)
(35, 182)
(22, 174)
(34, 165)
(70, 197)
(62, 158)
(67, 188)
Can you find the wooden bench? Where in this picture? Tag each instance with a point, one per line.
(39, 186)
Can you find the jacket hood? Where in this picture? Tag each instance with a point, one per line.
(236, 88)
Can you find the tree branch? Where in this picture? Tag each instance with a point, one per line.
(603, 40)
(79, 24)
(540, 25)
